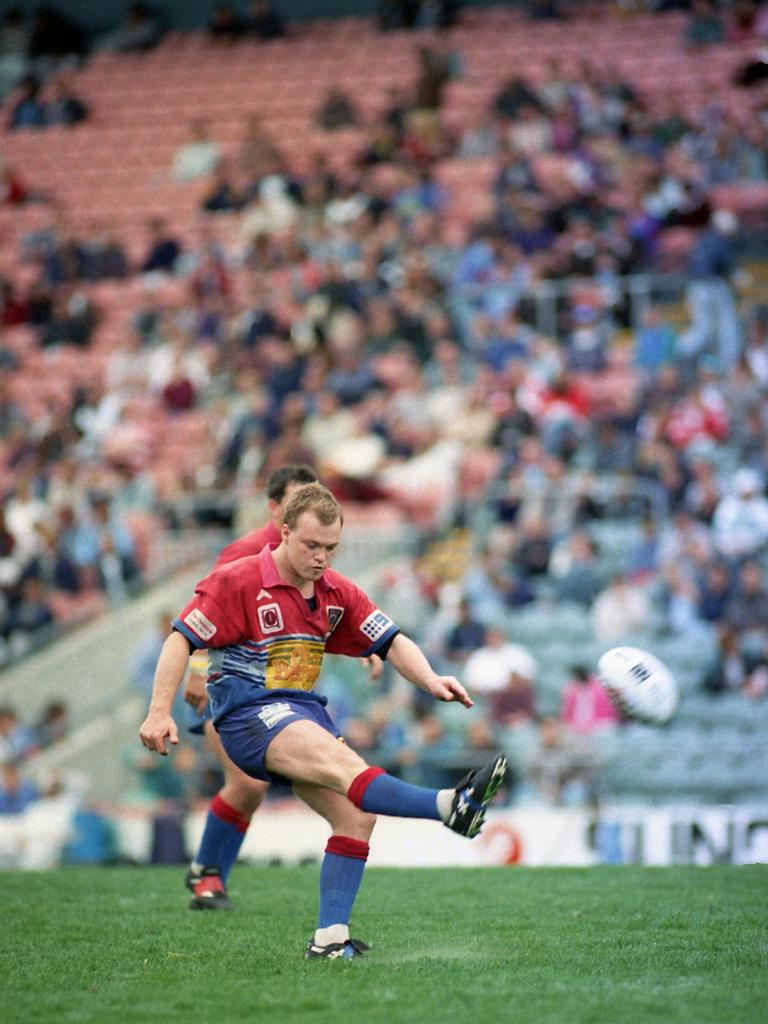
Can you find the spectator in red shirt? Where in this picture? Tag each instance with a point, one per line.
(699, 416)
(13, 310)
(12, 189)
(562, 412)
(179, 393)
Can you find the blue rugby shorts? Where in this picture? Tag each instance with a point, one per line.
(247, 731)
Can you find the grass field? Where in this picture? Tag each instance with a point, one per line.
(475, 946)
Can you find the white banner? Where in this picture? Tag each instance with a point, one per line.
(286, 832)
(534, 836)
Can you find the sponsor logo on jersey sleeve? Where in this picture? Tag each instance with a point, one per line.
(200, 624)
(376, 625)
(270, 618)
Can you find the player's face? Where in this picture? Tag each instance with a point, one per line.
(311, 545)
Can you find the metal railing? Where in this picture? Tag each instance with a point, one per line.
(634, 293)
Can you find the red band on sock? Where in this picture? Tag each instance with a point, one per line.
(228, 813)
(361, 782)
(345, 846)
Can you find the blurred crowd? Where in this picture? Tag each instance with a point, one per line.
(19, 741)
(348, 320)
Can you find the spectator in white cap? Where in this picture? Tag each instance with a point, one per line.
(740, 522)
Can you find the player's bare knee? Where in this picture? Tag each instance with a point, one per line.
(353, 823)
(366, 826)
(335, 777)
(349, 766)
(253, 797)
(243, 793)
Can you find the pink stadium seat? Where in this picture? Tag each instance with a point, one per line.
(610, 390)
(744, 200)
(19, 340)
(372, 516)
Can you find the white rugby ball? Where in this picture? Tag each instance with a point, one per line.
(640, 685)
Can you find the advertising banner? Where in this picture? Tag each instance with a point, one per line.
(533, 836)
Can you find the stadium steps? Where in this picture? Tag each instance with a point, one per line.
(547, 624)
(89, 671)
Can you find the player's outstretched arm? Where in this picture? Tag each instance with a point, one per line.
(411, 663)
(159, 724)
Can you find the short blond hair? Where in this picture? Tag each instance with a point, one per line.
(316, 499)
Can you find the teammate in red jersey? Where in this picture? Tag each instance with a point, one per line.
(280, 486)
(231, 810)
(267, 620)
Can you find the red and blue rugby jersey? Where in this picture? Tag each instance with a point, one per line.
(262, 635)
(251, 544)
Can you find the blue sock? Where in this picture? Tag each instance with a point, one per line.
(228, 853)
(379, 793)
(340, 878)
(222, 838)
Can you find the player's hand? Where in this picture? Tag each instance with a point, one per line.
(375, 666)
(196, 693)
(448, 688)
(158, 727)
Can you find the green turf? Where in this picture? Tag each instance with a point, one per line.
(477, 946)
